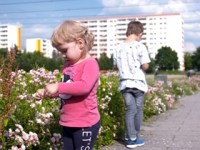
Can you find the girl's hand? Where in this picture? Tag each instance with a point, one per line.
(39, 94)
(51, 89)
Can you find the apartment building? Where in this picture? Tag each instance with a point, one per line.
(41, 45)
(159, 30)
(10, 36)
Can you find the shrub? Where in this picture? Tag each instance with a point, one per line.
(34, 125)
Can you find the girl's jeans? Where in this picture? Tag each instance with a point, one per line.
(80, 138)
(134, 101)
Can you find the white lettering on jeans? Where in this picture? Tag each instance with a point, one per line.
(87, 134)
(86, 138)
(85, 148)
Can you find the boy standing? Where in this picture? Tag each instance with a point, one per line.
(131, 58)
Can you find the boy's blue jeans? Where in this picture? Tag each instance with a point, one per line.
(134, 101)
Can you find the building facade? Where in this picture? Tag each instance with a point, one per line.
(41, 45)
(159, 30)
(10, 36)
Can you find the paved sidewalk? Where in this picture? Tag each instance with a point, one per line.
(177, 129)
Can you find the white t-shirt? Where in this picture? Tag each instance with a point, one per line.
(129, 57)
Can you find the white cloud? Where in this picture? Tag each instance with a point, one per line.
(192, 35)
(189, 47)
(108, 3)
(14, 23)
(36, 31)
(5, 15)
(145, 6)
(192, 26)
(17, 24)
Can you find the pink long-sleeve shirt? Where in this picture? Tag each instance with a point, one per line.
(81, 110)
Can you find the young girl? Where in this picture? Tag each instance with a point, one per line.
(79, 116)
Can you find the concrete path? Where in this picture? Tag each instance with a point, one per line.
(177, 129)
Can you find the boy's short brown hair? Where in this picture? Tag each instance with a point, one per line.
(134, 27)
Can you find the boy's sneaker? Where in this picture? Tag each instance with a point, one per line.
(134, 144)
(126, 138)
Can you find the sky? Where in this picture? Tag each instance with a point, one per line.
(38, 18)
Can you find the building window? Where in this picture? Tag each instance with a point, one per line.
(122, 20)
(121, 24)
(121, 30)
(103, 26)
(103, 44)
(4, 35)
(103, 35)
(103, 21)
(3, 26)
(103, 30)
(102, 40)
(4, 31)
(84, 22)
(92, 21)
(132, 19)
(92, 26)
(142, 19)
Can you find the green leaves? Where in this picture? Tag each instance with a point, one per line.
(5, 122)
(167, 59)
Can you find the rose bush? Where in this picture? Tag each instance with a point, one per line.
(33, 125)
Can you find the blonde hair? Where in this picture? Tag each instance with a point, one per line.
(70, 31)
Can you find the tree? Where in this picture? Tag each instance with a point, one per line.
(188, 61)
(17, 51)
(196, 59)
(28, 61)
(152, 66)
(104, 62)
(167, 59)
(3, 52)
